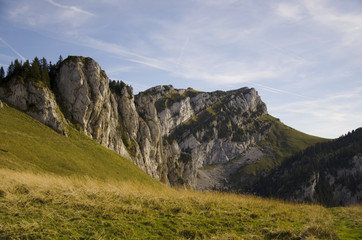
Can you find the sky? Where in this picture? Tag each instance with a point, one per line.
(303, 57)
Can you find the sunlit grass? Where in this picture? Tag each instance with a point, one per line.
(26, 144)
(51, 207)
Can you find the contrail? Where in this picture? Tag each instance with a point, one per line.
(72, 8)
(275, 90)
(12, 49)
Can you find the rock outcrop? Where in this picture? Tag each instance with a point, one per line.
(87, 101)
(167, 132)
(37, 101)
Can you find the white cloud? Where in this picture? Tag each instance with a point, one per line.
(324, 116)
(290, 11)
(348, 24)
(42, 15)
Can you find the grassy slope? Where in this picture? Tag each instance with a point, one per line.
(26, 144)
(53, 207)
(284, 141)
(73, 188)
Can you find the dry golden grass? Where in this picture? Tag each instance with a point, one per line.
(57, 207)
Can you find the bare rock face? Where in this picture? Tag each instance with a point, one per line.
(37, 101)
(213, 127)
(169, 133)
(88, 102)
(208, 128)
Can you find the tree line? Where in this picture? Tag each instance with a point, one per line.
(38, 70)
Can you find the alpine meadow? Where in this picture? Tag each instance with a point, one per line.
(83, 157)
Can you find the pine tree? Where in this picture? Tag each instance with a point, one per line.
(44, 72)
(10, 70)
(59, 61)
(2, 74)
(35, 73)
(26, 69)
(17, 67)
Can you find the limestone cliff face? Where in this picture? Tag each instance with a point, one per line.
(167, 132)
(37, 101)
(213, 127)
(87, 101)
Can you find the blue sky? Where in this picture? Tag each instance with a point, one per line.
(303, 57)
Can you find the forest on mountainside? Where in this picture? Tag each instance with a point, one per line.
(328, 161)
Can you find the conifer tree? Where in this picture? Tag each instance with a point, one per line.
(59, 61)
(35, 73)
(17, 68)
(44, 71)
(2, 74)
(10, 70)
(26, 69)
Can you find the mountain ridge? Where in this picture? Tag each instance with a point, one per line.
(223, 140)
(79, 94)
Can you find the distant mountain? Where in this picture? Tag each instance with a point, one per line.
(329, 173)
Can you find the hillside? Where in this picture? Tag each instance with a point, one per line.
(28, 145)
(241, 173)
(45, 206)
(329, 173)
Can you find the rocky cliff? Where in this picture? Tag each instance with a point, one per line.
(35, 100)
(169, 133)
(205, 140)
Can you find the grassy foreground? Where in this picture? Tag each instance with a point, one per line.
(56, 207)
(26, 144)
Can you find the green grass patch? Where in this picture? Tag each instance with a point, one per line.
(348, 222)
(26, 144)
(283, 141)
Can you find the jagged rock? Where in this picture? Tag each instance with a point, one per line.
(1, 104)
(37, 101)
(167, 132)
(203, 124)
(86, 99)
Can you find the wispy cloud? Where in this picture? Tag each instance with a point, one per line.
(48, 15)
(71, 8)
(289, 10)
(325, 116)
(347, 24)
(117, 50)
